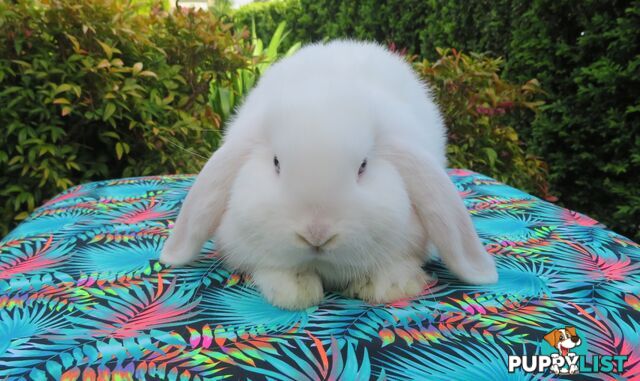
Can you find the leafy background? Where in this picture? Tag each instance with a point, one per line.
(542, 95)
(99, 89)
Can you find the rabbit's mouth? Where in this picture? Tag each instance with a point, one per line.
(318, 252)
(317, 246)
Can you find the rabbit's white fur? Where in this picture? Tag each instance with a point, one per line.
(323, 111)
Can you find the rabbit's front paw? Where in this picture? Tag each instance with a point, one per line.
(388, 286)
(290, 290)
(174, 253)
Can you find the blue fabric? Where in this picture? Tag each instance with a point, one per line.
(82, 295)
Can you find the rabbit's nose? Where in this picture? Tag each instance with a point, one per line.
(317, 236)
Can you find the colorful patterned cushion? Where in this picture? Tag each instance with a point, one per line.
(82, 296)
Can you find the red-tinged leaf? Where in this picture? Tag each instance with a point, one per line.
(70, 375)
(632, 301)
(263, 346)
(337, 364)
(323, 355)
(474, 304)
(104, 374)
(415, 334)
(551, 198)
(404, 335)
(206, 336)
(220, 336)
(387, 336)
(88, 374)
(194, 338)
(232, 280)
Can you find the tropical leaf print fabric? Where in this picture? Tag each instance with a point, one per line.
(82, 296)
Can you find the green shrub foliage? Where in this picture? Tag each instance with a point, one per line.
(476, 104)
(97, 89)
(584, 53)
(228, 90)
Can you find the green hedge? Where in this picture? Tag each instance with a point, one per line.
(98, 89)
(584, 53)
(419, 26)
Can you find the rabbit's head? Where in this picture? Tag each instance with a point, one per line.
(316, 187)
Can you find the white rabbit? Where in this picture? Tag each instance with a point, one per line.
(332, 176)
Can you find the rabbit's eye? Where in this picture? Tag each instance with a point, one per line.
(276, 163)
(363, 166)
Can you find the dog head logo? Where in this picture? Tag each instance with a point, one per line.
(563, 339)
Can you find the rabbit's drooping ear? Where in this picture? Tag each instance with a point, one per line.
(204, 205)
(442, 213)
